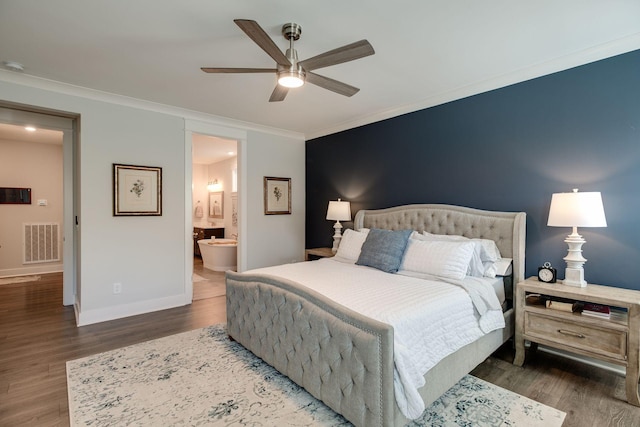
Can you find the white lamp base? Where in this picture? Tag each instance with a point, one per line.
(574, 277)
(574, 273)
(337, 236)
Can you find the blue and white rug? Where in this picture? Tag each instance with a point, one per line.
(202, 378)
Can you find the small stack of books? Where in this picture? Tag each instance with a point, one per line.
(569, 307)
(536, 299)
(596, 310)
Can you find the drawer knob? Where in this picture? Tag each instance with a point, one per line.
(571, 333)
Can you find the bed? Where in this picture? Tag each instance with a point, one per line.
(345, 358)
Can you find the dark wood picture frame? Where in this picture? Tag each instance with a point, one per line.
(277, 196)
(137, 190)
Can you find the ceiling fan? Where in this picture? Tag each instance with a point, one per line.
(291, 72)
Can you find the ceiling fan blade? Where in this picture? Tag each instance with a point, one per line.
(262, 39)
(279, 93)
(342, 54)
(332, 85)
(238, 70)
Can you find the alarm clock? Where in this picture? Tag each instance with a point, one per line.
(546, 273)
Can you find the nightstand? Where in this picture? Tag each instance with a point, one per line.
(615, 340)
(316, 253)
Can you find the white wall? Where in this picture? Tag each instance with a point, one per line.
(39, 167)
(147, 254)
(223, 171)
(200, 193)
(143, 254)
(275, 239)
(202, 175)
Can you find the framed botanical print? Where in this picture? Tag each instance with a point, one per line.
(277, 196)
(137, 190)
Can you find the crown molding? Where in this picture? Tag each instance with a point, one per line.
(586, 56)
(97, 95)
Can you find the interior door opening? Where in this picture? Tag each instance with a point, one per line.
(42, 145)
(214, 211)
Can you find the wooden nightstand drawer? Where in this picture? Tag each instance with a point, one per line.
(588, 338)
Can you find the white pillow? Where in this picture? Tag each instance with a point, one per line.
(490, 251)
(490, 255)
(350, 245)
(486, 252)
(490, 269)
(504, 267)
(448, 259)
(476, 268)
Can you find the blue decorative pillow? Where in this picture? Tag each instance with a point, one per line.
(383, 249)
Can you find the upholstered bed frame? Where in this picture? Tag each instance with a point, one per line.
(346, 359)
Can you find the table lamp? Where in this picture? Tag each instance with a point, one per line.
(338, 211)
(576, 210)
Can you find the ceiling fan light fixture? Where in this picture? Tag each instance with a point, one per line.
(289, 71)
(291, 79)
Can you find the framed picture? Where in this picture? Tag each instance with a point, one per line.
(15, 196)
(137, 190)
(216, 204)
(277, 196)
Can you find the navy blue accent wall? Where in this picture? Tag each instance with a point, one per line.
(508, 149)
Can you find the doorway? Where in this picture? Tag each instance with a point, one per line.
(240, 136)
(214, 212)
(58, 129)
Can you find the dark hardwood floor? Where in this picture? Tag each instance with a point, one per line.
(38, 335)
(590, 396)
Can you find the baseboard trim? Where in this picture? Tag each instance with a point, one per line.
(89, 317)
(27, 271)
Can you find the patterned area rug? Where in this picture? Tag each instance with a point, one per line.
(202, 378)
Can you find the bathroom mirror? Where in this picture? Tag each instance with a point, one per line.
(15, 196)
(216, 204)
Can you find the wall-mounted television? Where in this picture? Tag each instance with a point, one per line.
(15, 196)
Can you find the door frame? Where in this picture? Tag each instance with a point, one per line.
(67, 123)
(240, 136)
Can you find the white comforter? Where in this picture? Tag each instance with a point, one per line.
(431, 319)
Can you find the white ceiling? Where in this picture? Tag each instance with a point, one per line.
(16, 133)
(427, 51)
(210, 149)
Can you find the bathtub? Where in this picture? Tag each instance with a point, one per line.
(219, 254)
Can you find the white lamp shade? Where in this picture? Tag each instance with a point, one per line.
(576, 210)
(339, 211)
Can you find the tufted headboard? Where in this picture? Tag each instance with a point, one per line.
(507, 229)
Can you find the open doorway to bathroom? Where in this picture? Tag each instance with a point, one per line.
(215, 213)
